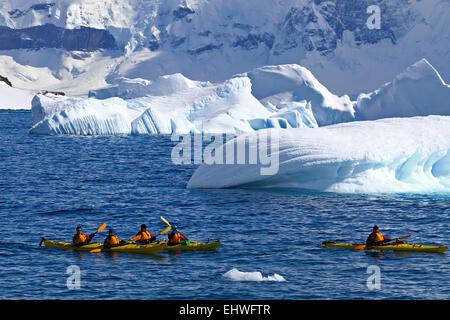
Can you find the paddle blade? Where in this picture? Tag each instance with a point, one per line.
(166, 230)
(102, 228)
(95, 250)
(164, 220)
(404, 237)
(360, 247)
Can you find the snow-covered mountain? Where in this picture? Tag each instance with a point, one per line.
(81, 45)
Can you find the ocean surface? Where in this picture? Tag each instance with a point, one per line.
(50, 184)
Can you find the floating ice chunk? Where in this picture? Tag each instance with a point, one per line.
(236, 275)
(221, 108)
(84, 117)
(387, 155)
(44, 106)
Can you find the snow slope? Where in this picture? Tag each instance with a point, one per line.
(134, 88)
(387, 155)
(13, 98)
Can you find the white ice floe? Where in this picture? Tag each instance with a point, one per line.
(236, 275)
(387, 155)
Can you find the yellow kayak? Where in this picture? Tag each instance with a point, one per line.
(151, 248)
(395, 247)
(193, 246)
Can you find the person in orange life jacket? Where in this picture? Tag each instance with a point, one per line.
(376, 238)
(143, 236)
(80, 238)
(112, 240)
(175, 236)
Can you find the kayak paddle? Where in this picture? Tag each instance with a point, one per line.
(363, 246)
(102, 227)
(404, 237)
(165, 220)
(164, 231)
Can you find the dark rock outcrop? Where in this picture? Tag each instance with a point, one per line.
(6, 80)
(51, 36)
(56, 93)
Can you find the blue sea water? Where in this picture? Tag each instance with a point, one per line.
(50, 184)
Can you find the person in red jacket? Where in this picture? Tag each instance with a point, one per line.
(376, 238)
(175, 236)
(80, 238)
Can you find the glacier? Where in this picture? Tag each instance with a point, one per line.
(278, 96)
(380, 156)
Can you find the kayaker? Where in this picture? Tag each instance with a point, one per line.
(175, 236)
(143, 236)
(80, 238)
(376, 238)
(112, 240)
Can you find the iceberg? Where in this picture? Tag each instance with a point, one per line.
(83, 117)
(276, 86)
(417, 91)
(381, 156)
(223, 108)
(282, 96)
(189, 107)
